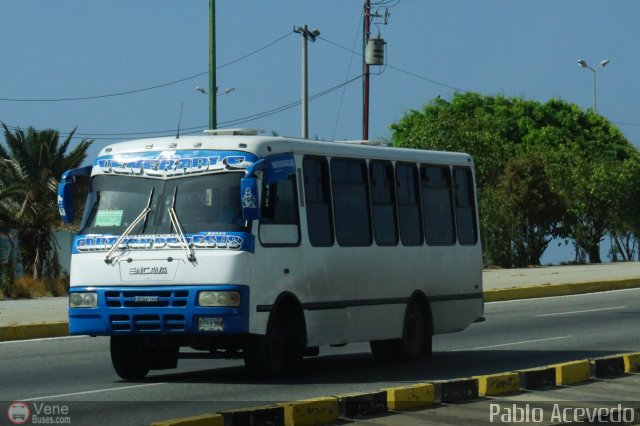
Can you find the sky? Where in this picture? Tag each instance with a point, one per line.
(55, 53)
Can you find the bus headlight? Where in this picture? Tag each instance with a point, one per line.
(83, 300)
(219, 298)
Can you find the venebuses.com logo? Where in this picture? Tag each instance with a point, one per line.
(20, 413)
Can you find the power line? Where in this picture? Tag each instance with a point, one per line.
(146, 89)
(198, 129)
(421, 77)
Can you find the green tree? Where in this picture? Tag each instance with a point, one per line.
(578, 158)
(31, 164)
(526, 213)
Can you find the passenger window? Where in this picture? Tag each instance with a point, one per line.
(351, 202)
(437, 205)
(465, 206)
(318, 201)
(408, 204)
(279, 224)
(383, 203)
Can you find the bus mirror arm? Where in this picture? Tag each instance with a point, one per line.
(249, 197)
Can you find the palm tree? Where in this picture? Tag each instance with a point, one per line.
(31, 164)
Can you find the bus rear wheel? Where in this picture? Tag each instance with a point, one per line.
(415, 342)
(128, 358)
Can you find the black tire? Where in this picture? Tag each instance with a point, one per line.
(265, 355)
(385, 351)
(415, 342)
(127, 358)
(295, 344)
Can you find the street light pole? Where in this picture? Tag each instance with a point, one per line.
(584, 64)
(306, 35)
(213, 120)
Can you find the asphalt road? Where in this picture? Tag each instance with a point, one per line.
(77, 371)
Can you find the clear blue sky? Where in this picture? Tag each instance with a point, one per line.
(84, 48)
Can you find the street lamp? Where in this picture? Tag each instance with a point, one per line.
(306, 35)
(225, 92)
(584, 64)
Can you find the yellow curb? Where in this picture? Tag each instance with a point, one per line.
(549, 290)
(310, 412)
(570, 373)
(632, 362)
(498, 384)
(408, 397)
(34, 331)
(202, 420)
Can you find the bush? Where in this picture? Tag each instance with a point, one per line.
(27, 287)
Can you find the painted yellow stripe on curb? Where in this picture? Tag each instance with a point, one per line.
(408, 397)
(549, 290)
(34, 331)
(202, 420)
(310, 412)
(498, 384)
(570, 373)
(632, 362)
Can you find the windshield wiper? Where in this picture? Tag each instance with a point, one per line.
(191, 256)
(143, 215)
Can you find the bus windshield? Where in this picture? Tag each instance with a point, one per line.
(206, 203)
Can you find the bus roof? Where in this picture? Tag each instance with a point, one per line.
(263, 146)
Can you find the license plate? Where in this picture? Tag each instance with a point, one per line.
(210, 324)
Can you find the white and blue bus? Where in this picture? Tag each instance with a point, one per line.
(238, 245)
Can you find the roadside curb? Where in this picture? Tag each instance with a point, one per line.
(550, 290)
(34, 331)
(329, 410)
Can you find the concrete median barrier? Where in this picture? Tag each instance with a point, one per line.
(410, 397)
(574, 372)
(458, 390)
(608, 366)
(309, 412)
(498, 384)
(354, 405)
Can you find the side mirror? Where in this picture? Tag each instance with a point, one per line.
(249, 198)
(65, 192)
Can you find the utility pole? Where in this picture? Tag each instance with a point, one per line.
(306, 35)
(365, 71)
(213, 120)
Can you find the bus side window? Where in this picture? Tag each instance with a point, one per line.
(279, 204)
(279, 224)
(318, 201)
(408, 204)
(465, 206)
(383, 203)
(351, 202)
(437, 205)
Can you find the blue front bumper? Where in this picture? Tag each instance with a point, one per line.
(173, 310)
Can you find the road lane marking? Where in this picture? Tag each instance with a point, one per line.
(522, 342)
(91, 391)
(581, 312)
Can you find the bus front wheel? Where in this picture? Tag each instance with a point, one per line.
(265, 354)
(128, 358)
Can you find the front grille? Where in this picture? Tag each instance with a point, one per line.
(147, 323)
(147, 298)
